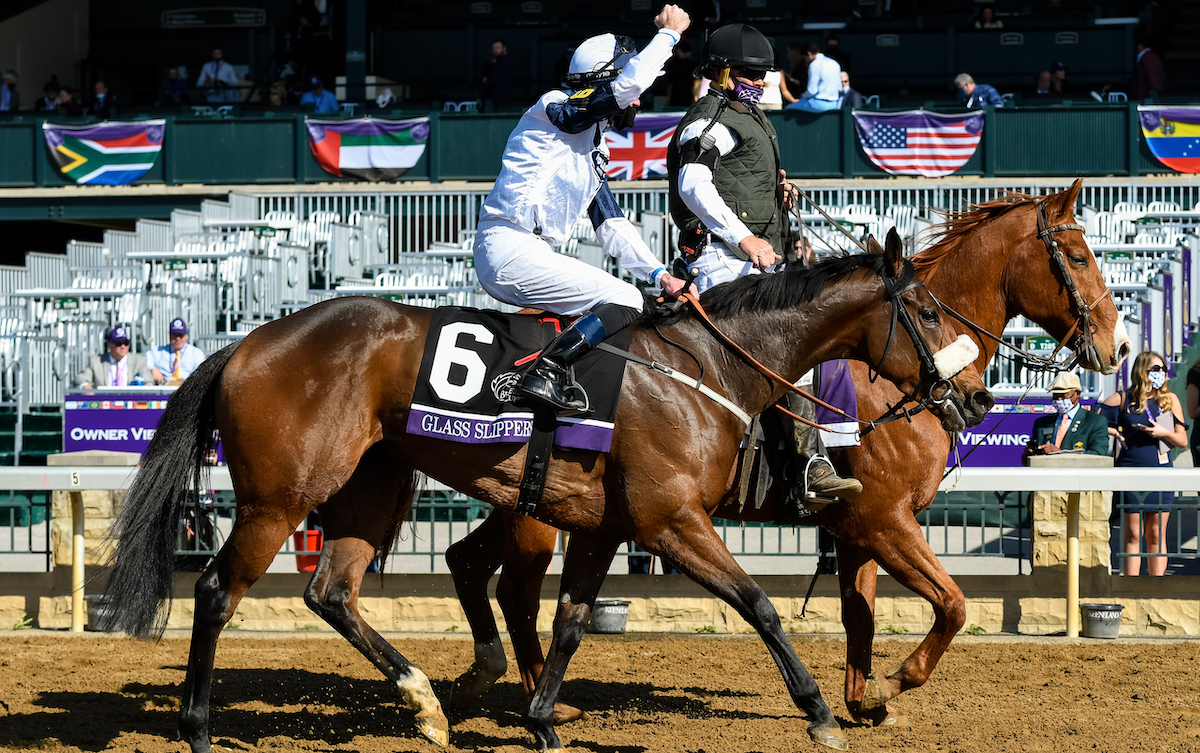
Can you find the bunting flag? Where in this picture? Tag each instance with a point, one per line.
(641, 151)
(918, 142)
(112, 153)
(368, 148)
(1173, 134)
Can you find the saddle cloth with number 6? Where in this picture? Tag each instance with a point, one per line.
(472, 359)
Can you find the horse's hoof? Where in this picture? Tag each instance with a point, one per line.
(436, 729)
(884, 717)
(564, 714)
(872, 698)
(829, 734)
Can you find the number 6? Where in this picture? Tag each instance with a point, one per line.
(449, 353)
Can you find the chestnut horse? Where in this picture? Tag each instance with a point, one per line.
(312, 409)
(990, 264)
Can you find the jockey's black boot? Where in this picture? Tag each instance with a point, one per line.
(816, 474)
(550, 381)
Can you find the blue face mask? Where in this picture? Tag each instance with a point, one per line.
(1158, 379)
(1063, 404)
(747, 94)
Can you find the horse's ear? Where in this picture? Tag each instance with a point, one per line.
(893, 252)
(873, 246)
(1066, 200)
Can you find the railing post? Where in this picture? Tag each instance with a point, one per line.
(989, 142)
(77, 567)
(849, 139)
(1073, 565)
(1135, 138)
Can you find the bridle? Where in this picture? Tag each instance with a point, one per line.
(1083, 329)
(938, 392)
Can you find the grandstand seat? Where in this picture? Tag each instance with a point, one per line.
(1117, 97)
(872, 102)
(349, 108)
(1161, 206)
(904, 217)
(1128, 210)
(1111, 229)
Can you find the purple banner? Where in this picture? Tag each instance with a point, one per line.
(471, 428)
(1169, 336)
(1186, 295)
(1000, 440)
(112, 420)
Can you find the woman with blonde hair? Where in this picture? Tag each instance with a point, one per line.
(1150, 423)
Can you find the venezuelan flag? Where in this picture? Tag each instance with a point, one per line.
(1173, 135)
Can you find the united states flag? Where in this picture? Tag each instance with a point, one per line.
(918, 142)
(641, 151)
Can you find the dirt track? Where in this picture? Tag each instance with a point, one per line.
(696, 694)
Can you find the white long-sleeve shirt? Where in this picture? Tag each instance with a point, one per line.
(550, 176)
(824, 78)
(698, 192)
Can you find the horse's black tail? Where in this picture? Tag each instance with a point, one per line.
(141, 562)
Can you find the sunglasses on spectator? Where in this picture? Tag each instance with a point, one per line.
(1157, 368)
(751, 73)
(124, 344)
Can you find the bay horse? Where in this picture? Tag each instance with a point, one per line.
(311, 410)
(990, 263)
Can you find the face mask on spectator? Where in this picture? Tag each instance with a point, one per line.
(1158, 379)
(1063, 404)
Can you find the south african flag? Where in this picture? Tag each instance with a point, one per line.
(112, 153)
(368, 148)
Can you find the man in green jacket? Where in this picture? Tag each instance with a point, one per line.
(1072, 427)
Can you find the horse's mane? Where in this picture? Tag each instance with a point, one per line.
(781, 290)
(957, 224)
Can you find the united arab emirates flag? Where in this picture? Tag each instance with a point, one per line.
(368, 148)
(112, 153)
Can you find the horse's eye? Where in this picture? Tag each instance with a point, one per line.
(1079, 261)
(929, 315)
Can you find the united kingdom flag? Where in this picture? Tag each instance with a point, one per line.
(641, 151)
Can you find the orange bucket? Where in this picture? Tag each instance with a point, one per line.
(307, 541)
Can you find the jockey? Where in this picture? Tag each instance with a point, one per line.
(730, 196)
(553, 171)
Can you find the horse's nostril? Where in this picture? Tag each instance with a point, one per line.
(983, 399)
(1123, 351)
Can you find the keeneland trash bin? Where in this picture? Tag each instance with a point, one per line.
(609, 616)
(1101, 620)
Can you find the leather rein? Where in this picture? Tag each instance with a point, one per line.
(938, 393)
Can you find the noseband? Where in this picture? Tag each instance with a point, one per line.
(1083, 342)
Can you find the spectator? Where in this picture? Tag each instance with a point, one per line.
(849, 98)
(772, 96)
(174, 90)
(1150, 423)
(219, 79)
(824, 83)
(1148, 74)
(834, 51)
(102, 104)
(10, 98)
(497, 77)
(319, 97)
(68, 105)
(1071, 427)
(171, 364)
(1193, 409)
(1058, 79)
(49, 100)
(1043, 86)
(987, 18)
(120, 368)
(681, 72)
(976, 96)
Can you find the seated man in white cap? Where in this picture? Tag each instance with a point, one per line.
(117, 368)
(1072, 427)
(171, 364)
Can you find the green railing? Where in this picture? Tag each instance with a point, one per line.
(1083, 139)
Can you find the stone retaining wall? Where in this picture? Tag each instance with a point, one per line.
(1027, 604)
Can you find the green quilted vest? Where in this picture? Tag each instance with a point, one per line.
(747, 178)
